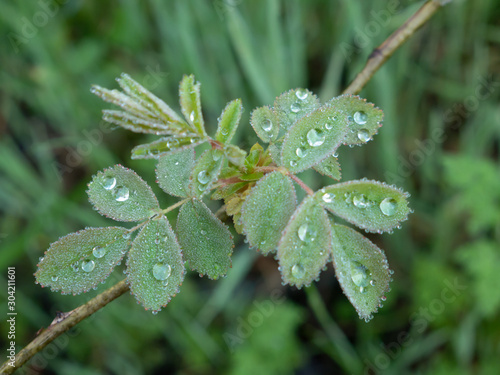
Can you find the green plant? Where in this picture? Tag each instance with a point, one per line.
(258, 191)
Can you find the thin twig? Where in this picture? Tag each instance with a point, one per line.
(60, 326)
(380, 54)
(302, 184)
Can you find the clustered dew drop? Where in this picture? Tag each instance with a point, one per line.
(293, 163)
(388, 206)
(203, 177)
(161, 271)
(99, 251)
(298, 271)
(360, 118)
(315, 138)
(359, 274)
(88, 265)
(301, 94)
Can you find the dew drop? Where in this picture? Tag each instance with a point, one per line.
(360, 118)
(306, 233)
(293, 163)
(295, 107)
(360, 201)
(388, 206)
(161, 271)
(298, 271)
(203, 232)
(364, 135)
(157, 241)
(328, 198)
(54, 278)
(301, 94)
(372, 282)
(88, 265)
(75, 267)
(301, 152)
(328, 125)
(191, 116)
(127, 235)
(109, 183)
(99, 252)
(203, 177)
(267, 125)
(121, 194)
(359, 274)
(315, 138)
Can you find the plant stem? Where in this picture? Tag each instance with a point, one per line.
(380, 54)
(375, 61)
(302, 184)
(56, 329)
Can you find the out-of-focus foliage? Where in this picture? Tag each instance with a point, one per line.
(439, 94)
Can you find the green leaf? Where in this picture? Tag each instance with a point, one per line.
(235, 155)
(267, 210)
(265, 123)
(361, 268)
(147, 100)
(138, 124)
(206, 171)
(173, 171)
(370, 205)
(293, 105)
(189, 94)
(226, 191)
(80, 261)
(206, 241)
(228, 121)
(155, 268)
(165, 146)
(363, 118)
(253, 157)
(329, 167)
(119, 193)
(306, 245)
(312, 139)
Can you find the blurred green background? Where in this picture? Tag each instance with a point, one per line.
(440, 142)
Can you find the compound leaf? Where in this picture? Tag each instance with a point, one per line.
(189, 95)
(361, 268)
(80, 261)
(206, 241)
(165, 146)
(329, 167)
(228, 121)
(265, 123)
(206, 171)
(267, 210)
(155, 269)
(363, 118)
(173, 171)
(138, 124)
(306, 244)
(312, 139)
(120, 194)
(370, 205)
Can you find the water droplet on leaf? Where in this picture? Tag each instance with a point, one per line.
(99, 252)
(364, 135)
(301, 152)
(328, 198)
(109, 183)
(360, 201)
(295, 107)
(388, 206)
(306, 233)
(121, 194)
(360, 118)
(359, 274)
(315, 138)
(54, 278)
(161, 271)
(301, 94)
(203, 177)
(298, 271)
(88, 265)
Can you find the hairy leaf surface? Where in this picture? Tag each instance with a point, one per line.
(370, 205)
(120, 194)
(267, 210)
(155, 269)
(361, 268)
(165, 146)
(206, 171)
(173, 171)
(189, 94)
(329, 167)
(228, 121)
(80, 261)
(206, 241)
(265, 123)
